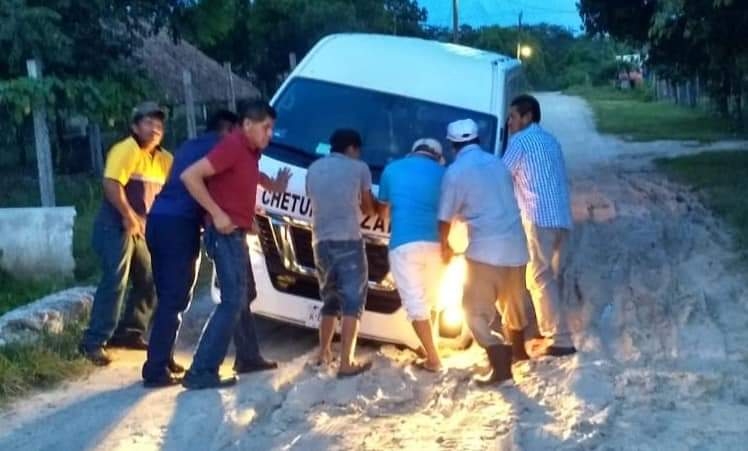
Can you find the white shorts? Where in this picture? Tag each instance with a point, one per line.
(417, 268)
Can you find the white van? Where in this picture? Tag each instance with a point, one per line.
(392, 90)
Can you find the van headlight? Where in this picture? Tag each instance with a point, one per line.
(450, 297)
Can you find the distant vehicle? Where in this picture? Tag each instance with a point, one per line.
(393, 90)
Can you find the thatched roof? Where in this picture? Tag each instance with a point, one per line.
(164, 61)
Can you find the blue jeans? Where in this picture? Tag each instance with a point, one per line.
(230, 255)
(124, 259)
(343, 275)
(174, 243)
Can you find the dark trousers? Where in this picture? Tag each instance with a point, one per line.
(174, 243)
(232, 317)
(124, 259)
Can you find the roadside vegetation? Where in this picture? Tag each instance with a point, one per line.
(43, 363)
(721, 180)
(635, 115)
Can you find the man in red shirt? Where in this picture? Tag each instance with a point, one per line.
(224, 183)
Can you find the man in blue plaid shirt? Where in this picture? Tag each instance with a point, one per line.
(536, 162)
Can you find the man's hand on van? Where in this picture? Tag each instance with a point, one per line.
(279, 184)
(223, 223)
(447, 253)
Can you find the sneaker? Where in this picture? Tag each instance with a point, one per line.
(95, 354)
(254, 366)
(134, 342)
(166, 381)
(200, 381)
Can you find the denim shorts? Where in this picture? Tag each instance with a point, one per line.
(343, 275)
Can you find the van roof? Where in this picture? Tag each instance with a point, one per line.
(434, 71)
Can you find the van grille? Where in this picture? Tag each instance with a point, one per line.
(304, 285)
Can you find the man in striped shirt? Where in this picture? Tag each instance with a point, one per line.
(536, 162)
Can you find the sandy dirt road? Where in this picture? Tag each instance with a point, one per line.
(655, 300)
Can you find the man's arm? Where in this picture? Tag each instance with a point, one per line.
(513, 156)
(194, 180)
(278, 184)
(447, 253)
(450, 206)
(115, 194)
(369, 204)
(384, 207)
(383, 210)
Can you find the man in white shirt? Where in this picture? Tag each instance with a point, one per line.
(477, 189)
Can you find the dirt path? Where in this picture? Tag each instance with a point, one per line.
(655, 301)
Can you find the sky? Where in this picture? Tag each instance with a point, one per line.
(504, 12)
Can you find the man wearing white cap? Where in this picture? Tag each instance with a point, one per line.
(477, 188)
(409, 191)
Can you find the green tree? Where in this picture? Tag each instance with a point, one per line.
(29, 32)
(257, 37)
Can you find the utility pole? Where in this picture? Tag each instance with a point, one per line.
(519, 37)
(455, 21)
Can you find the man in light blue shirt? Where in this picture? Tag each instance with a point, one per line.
(536, 162)
(409, 191)
(477, 189)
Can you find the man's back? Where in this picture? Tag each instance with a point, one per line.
(478, 188)
(412, 187)
(536, 162)
(174, 199)
(334, 184)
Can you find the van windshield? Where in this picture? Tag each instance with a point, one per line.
(310, 110)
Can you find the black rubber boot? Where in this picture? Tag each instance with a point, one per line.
(517, 337)
(500, 359)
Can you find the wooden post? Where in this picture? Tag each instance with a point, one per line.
(232, 91)
(189, 104)
(41, 141)
(94, 142)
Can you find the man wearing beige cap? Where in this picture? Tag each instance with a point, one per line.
(409, 191)
(478, 189)
(135, 171)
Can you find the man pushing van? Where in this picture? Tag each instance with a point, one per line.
(478, 188)
(410, 191)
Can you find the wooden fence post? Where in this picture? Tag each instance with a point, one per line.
(94, 142)
(232, 91)
(41, 141)
(189, 103)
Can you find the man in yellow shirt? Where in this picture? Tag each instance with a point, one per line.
(135, 171)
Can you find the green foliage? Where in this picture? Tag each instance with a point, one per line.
(635, 116)
(257, 37)
(721, 181)
(30, 31)
(41, 364)
(15, 293)
(708, 38)
(627, 20)
(559, 59)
